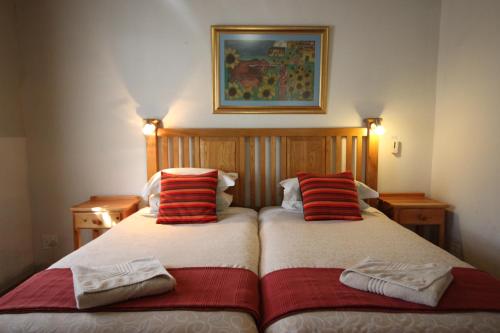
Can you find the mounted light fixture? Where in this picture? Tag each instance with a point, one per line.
(150, 126)
(375, 126)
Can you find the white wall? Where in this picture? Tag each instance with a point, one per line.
(16, 250)
(89, 64)
(466, 159)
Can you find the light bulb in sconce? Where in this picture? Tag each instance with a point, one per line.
(376, 126)
(377, 129)
(150, 126)
(149, 129)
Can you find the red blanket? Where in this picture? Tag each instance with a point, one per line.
(289, 291)
(197, 289)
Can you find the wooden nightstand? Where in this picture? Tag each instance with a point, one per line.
(101, 212)
(414, 209)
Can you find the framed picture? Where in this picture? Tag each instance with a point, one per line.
(269, 69)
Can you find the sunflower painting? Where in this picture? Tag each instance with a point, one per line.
(263, 67)
(269, 70)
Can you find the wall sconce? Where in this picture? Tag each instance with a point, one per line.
(150, 126)
(375, 126)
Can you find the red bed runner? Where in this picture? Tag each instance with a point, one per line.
(197, 289)
(289, 291)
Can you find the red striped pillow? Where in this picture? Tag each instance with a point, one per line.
(331, 197)
(187, 198)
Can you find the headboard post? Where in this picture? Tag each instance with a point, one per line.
(152, 154)
(372, 141)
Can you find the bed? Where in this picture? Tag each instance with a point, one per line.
(287, 241)
(232, 242)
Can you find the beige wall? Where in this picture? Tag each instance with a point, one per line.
(89, 64)
(11, 124)
(16, 250)
(466, 159)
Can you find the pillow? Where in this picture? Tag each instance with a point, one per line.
(225, 180)
(365, 192)
(331, 197)
(292, 198)
(222, 201)
(154, 203)
(187, 198)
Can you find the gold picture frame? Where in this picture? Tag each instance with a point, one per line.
(270, 69)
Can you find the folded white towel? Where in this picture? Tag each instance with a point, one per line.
(97, 286)
(423, 284)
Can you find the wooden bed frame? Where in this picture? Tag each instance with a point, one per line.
(287, 151)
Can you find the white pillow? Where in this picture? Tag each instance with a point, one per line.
(225, 180)
(223, 201)
(292, 198)
(365, 192)
(154, 203)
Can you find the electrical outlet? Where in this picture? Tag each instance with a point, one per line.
(49, 241)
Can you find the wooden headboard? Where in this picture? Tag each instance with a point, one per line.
(286, 152)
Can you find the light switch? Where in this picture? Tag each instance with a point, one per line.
(396, 147)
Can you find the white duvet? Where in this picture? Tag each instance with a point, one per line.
(231, 242)
(287, 241)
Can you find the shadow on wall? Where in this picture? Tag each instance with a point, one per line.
(370, 110)
(453, 235)
(142, 47)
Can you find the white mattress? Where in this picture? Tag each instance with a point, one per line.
(287, 241)
(231, 242)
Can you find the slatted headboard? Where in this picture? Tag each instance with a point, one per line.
(263, 157)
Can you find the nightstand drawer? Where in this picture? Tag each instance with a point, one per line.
(421, 216)
(97, 220)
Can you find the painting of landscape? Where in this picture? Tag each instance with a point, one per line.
(269, 70)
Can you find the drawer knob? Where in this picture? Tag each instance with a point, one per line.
(96, 222)
(422, 217)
